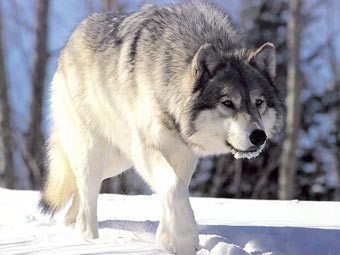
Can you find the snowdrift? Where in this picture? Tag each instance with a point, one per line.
(127, 225)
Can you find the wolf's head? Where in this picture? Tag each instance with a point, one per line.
(235, 106)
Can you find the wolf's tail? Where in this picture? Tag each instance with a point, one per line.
(60, 183)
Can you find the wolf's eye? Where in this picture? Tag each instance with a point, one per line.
(229, 104)
(259, 102)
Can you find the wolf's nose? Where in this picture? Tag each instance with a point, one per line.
(258, 137)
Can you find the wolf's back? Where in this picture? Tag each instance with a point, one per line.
(157, 32)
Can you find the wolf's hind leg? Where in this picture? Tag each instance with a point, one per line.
(72, 213)
(88, 185)
(87, 164)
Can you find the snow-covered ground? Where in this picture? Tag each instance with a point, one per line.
(128, 224)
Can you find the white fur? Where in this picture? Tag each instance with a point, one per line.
(269, 119)
(213, 131)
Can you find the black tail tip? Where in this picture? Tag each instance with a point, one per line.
(46, 208)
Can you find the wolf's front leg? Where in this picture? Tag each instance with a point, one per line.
(177, 231)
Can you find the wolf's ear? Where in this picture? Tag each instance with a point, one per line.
(264, 59)
(203, 65)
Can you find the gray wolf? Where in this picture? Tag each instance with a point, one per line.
(155, 89)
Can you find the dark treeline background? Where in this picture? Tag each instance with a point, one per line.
(303, 162)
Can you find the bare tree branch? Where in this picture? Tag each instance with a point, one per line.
(263, 180)
(288, 165)
(35, 138)
(6, 144)
(112, 5)
(334, 65)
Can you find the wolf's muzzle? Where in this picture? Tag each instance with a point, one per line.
(257, 137)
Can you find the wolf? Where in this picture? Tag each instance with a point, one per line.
(155, 89)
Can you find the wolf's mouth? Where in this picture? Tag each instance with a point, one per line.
(253, 149)
(251, 153)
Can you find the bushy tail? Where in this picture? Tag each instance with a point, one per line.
(60, 183)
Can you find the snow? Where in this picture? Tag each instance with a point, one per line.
(127, 225)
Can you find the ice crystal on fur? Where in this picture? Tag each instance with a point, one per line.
(248, 155)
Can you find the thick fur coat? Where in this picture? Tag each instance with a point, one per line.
(156, 90)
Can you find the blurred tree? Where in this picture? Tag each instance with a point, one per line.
(113, 5)
(288, 165)
(334, 65)
(35, 142)
(7, 176)
(316, 148)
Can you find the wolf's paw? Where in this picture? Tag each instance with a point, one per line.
(69, 221)
(181, 240)
(89, 231)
